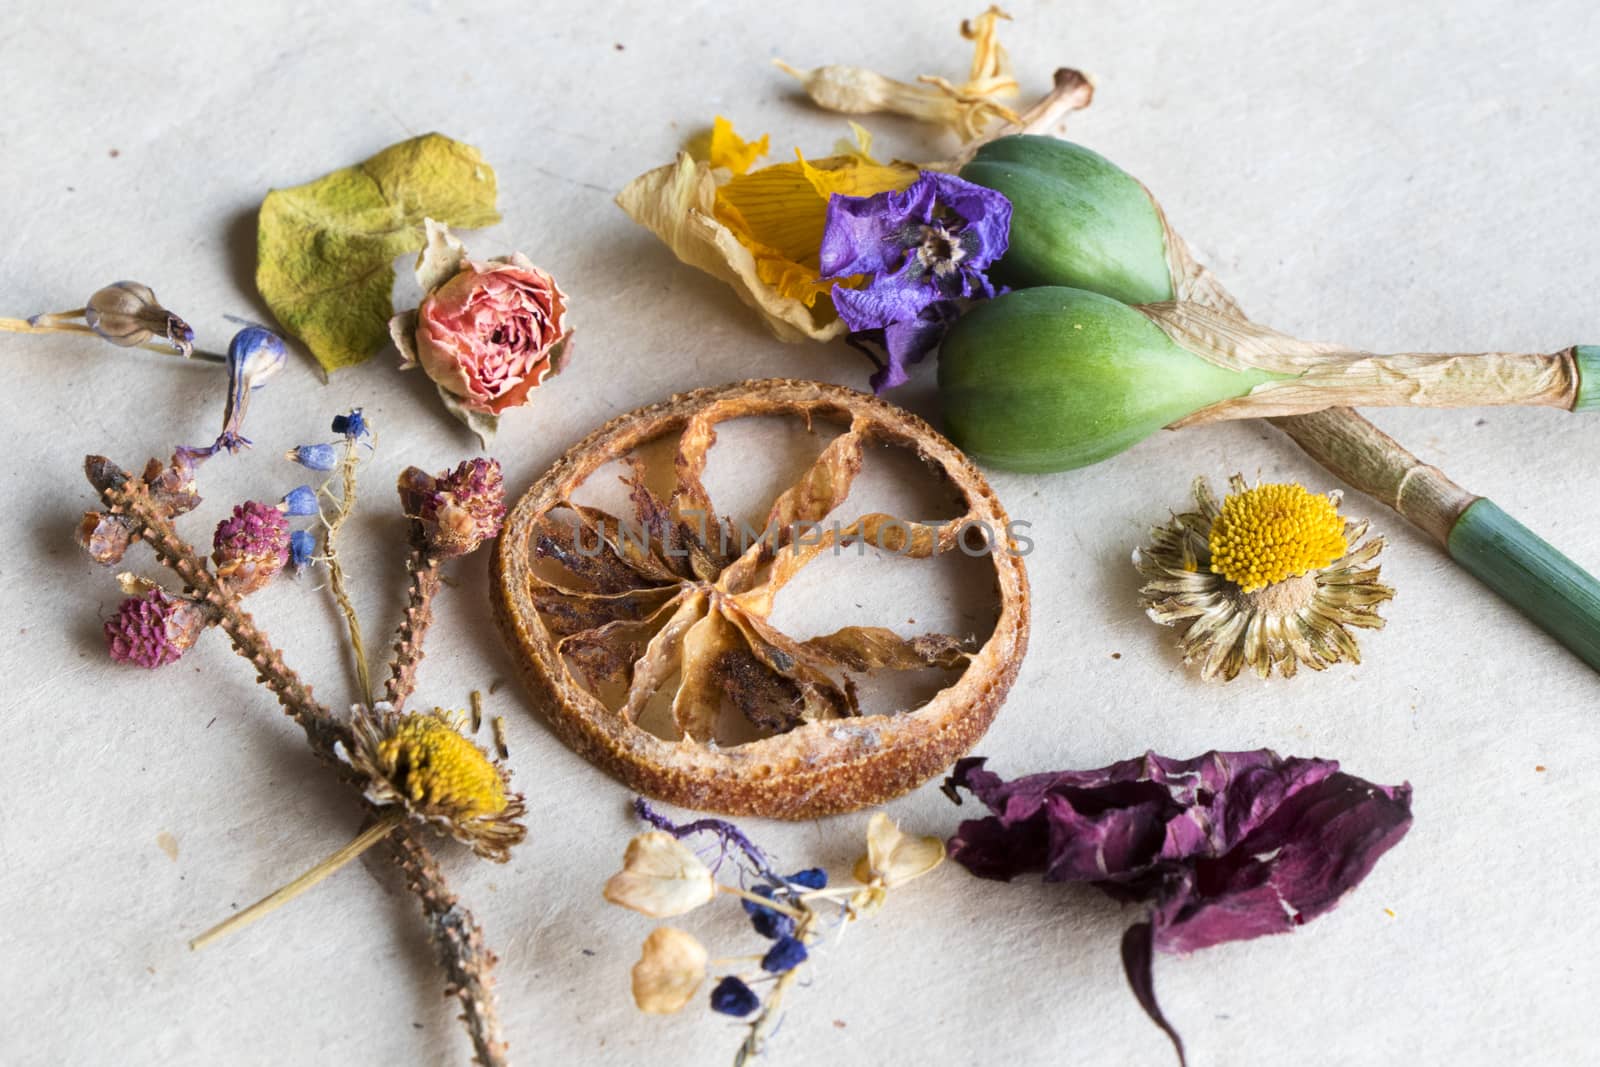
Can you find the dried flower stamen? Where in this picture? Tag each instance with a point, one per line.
(1273, 532)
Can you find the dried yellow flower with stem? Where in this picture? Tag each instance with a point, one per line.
(417, 766)
(1270, 578)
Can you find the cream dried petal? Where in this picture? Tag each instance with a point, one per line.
(660, 878)
(675, 202)
(894, 858)
(441, 257)
(671, 967)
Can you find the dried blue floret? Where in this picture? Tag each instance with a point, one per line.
(786, 954)
(733, 997)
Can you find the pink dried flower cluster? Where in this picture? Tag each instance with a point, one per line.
(153, 629)
(458, 510)
(251, 547)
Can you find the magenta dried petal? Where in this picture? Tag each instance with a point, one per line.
(1313, 847)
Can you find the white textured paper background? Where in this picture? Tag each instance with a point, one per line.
(1396, 176)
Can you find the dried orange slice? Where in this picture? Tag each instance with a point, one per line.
(673, 595)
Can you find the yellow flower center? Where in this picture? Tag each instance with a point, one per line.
(435, 766)
(1273, 532)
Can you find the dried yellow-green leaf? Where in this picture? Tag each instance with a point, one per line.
(325, 250)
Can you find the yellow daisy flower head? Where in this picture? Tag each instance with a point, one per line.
(424, 762)
(1272, 577)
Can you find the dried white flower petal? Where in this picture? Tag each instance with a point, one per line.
(894, 858)
(671, 966)
(660, 878)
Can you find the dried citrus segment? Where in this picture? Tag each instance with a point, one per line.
(673, 597)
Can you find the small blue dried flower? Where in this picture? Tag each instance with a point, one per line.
(812, 878)
(733, 997)
(768, 923)
(313, 457)
(353, 425)
(301, 500)
(301, 547)
(786, 954)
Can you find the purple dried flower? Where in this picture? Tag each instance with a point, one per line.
(733, 997)
(921, 249)
(313, 457)
(1226, 847)
(251, 547)
(301, 500)
(458, 510)
(302, 546)
(153, 629)
(786, 954)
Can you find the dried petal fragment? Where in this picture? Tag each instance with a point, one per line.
(660, 877)
(893, 857)
(671, 967)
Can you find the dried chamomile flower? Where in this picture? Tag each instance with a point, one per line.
(424, 763)
(1272, 577)
(458, 510)
(967, 109)
(252, 546)
(153, 629)
(671, 967)
(660, 877)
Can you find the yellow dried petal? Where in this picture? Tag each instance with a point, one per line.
(677, 204)
(671, 966)
(1273, 532)
(730, 150)
(894, 858)
(439, 770)
(660, 877)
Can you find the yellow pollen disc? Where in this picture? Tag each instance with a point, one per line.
(435, 766)
(1273, 532)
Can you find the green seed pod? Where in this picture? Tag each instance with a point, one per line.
(1050, 378)
(1076, 219)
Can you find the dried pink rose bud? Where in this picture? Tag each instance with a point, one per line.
(104, 537)
(492, 333)
(154, 629)
(458, 510)
(251, 547)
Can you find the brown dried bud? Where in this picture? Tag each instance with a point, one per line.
(458, 510)
(128, 314)
(105, 537)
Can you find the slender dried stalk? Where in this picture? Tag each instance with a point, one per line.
(423, 567)
(55, 323)
(336, 582)
(456, 935)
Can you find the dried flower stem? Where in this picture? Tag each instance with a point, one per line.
(769, 1010)
(423, 567)
(456, 935)
(281, 896)
(336, 582)
(55, 323)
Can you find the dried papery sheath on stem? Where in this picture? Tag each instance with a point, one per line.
(600, 619)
